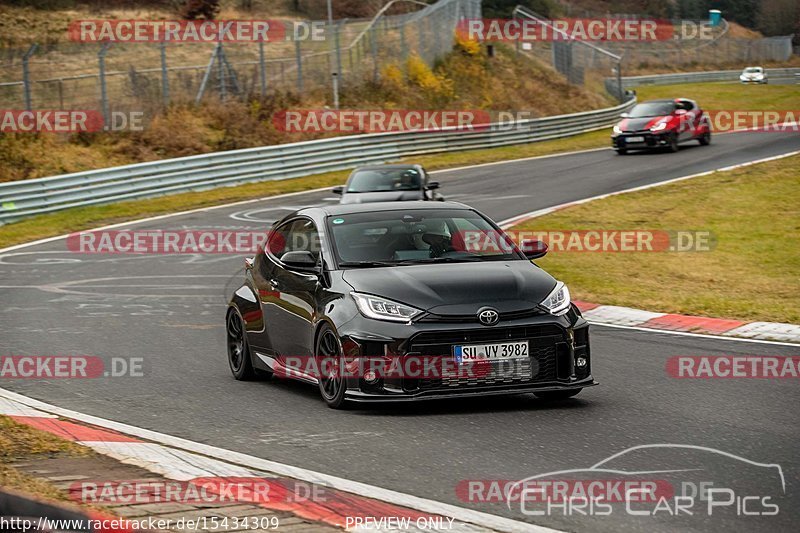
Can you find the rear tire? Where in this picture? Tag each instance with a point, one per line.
(556, 395)
(330, 360)
(705, 139)
(238, 347)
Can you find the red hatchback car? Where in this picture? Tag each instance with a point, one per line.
(661, 123)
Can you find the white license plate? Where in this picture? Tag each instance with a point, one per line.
(635, 139)
(471, 353)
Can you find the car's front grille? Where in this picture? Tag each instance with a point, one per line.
(428, 343)
(540, 366)
(473, 318)
(546, 347)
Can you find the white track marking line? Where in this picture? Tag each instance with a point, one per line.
(505, 224)
(689, 334)
(461, 514)
(520, 160)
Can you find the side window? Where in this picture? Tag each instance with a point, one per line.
(276, 242)
(302, 235)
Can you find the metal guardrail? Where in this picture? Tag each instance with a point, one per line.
(699, 77)
(26, 198)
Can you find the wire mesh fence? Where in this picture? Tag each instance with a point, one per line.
(147, 75)
(598, 64)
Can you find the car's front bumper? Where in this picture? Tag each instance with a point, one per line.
(649, 140)
(555, 346)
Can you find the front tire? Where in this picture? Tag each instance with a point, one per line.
(238, 348)
(622, 151)
(673, 143)
(330, 363)
(556, 395)
(705, 139)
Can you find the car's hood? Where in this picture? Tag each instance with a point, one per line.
(640, 124)
(388, 196)
(457, 288)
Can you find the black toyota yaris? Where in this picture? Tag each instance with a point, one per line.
(404, 302)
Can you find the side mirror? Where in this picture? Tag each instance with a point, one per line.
(433, 185)
(533, 248)
(624, 115)
(299, 259)
(249, 262)
(680, 112)
(338, 190)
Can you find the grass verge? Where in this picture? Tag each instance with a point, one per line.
(728, 96)
(21, 443)
(752, 273)
(90, 217)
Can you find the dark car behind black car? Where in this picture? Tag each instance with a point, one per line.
(388, 183)
(358, 298)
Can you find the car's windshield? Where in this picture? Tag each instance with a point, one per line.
(414, 236)
(389, 179)
(752, 70)
(652, 109)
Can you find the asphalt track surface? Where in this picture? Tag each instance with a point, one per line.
(169, 309)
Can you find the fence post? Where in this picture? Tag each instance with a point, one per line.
(207, 74)
(263, 67)
(299, 59)
(101, 58)
(338, 60)
(26, 75)
(164, 74)
(221, 72)
(60, 93)
(374, 41)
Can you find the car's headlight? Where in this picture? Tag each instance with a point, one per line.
(557, 302)
(616, 129)
(384, 309)
(660, 126)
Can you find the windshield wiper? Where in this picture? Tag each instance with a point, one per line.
(367, 264)
(440, 260)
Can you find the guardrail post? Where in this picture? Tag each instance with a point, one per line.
(164, 74)
(26, 75)
(101, 58)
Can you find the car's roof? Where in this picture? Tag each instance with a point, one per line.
(659, 100)
(347, 209)
(384, 167)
